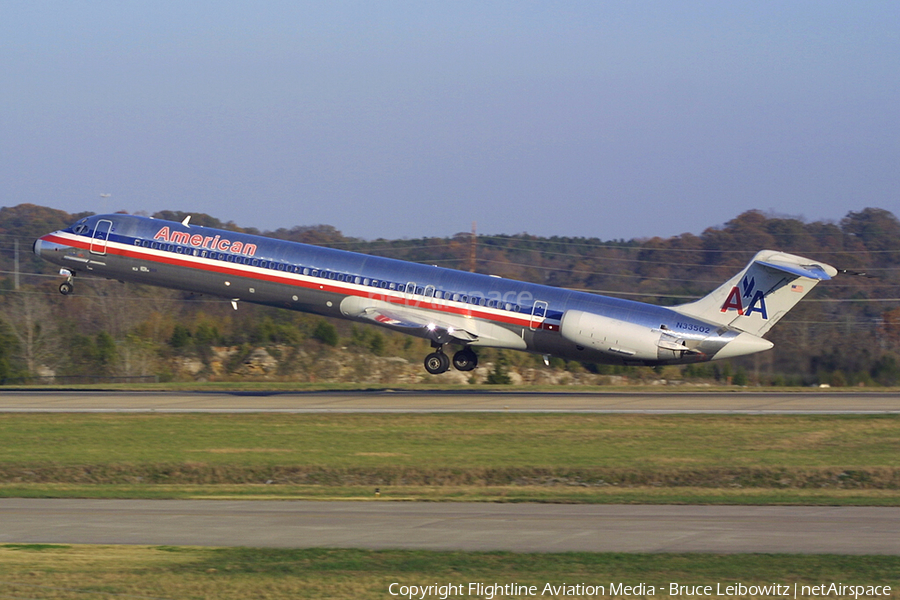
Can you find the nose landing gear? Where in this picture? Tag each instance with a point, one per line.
(67, 286)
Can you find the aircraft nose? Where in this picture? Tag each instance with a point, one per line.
(743, 344)
(37, 246)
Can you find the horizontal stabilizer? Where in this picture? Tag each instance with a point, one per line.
(810, 271)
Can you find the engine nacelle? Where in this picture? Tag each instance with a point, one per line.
(611, 336)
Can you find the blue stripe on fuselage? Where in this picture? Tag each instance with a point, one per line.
(128, 229)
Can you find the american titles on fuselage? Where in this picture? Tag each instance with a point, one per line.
(218, 247)
(510, 301)
(217, 243)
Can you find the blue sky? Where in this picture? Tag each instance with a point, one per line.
(408, 119)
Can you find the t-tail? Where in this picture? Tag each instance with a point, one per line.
(758, 297)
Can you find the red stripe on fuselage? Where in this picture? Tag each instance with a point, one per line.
(163, 257)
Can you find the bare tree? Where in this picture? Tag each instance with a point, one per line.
(29, 318)
(135, 357)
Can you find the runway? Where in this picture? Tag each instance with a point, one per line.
(455, 526)
(666, 402)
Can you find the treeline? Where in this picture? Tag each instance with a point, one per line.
(847, 332)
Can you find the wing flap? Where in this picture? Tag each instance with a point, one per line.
(416, 324)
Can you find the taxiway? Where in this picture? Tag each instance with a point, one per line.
(667, 402)
(455, 526)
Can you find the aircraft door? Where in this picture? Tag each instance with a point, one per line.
(410, 293)
(538, 313)
(428, 296)
(101, 236)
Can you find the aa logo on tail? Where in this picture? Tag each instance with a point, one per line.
(736, 300)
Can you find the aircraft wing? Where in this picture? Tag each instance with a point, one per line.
(416, 323)
(439, 327)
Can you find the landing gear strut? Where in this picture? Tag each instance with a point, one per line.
(67, 286)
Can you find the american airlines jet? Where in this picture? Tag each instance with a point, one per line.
(441, 305)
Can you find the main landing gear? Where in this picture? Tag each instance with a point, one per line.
(437, 362)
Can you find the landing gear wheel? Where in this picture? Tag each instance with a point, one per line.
(66, 288)
(437, 363)
(465, 360)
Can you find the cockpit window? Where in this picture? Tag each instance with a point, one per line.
(80, 229)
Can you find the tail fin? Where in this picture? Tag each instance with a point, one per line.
(757, 297)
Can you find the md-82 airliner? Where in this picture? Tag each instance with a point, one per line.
(442, 305)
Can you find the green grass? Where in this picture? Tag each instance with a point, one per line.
(510, 457)
(453, 441)
(223, 573)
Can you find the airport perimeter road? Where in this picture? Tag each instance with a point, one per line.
(813, 402)
(454, 526)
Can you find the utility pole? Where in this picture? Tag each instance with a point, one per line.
(16, 263)
(472, 250)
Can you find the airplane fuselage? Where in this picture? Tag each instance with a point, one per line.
(443, 305)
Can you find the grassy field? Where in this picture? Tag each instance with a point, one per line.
(824, 460)
(74, 572)
(513, 457)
